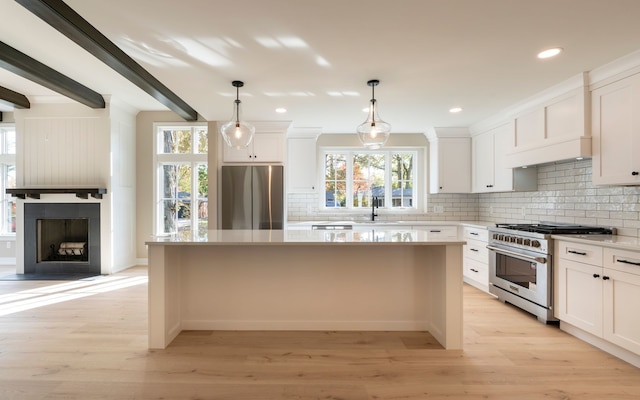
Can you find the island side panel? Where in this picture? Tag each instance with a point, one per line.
(304, 287)
(164, 295)
(445, 294)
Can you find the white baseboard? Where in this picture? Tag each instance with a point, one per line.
(7, 261)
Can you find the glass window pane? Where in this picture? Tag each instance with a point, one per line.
(203, 197)
(402, 180)
(202, 140)
(174, 141)
(368, 178)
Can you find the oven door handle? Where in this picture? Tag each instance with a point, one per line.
(540, 260)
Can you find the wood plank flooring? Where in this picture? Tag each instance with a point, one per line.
(91, 343)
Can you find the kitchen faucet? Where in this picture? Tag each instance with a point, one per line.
(374, 205)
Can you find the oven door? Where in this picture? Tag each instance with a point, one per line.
(522, 273)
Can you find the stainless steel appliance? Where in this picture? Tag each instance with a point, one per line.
(252, 197)
(521, 263)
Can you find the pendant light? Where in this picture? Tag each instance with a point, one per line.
(373, 132)
(237, 134)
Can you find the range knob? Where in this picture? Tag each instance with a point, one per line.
(527, 242)
(519, 240)
(535, 243)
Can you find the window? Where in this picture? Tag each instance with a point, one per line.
(182, 185)
(8, 178)
(355, 178)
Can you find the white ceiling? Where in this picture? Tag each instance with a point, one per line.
(314, 57)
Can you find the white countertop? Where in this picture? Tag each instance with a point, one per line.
(306, 237)
(613, 241)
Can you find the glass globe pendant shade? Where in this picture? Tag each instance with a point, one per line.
(237, 134)
(374, 132)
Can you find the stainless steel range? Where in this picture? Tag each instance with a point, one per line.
(521, 263)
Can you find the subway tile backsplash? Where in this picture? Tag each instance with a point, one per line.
(565, 194)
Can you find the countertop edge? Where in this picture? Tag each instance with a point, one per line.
(611, 241)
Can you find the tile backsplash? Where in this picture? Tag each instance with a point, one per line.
(565, 194)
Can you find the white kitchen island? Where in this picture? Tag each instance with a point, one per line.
(305, 280)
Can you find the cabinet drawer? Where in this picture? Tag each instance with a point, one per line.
(476, 234)
(476, 270)
(622, 260)
(476, 250)
(583, 253)
(439, 231)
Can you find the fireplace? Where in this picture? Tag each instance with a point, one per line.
(62, 238)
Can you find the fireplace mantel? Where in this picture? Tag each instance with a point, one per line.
(80, 192)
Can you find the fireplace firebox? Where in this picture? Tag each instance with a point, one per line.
(62, 238)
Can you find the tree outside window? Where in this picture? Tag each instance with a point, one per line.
(183, 187)
(352, 178)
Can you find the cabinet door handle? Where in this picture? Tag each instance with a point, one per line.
(474, 233)
(627, 262)
(435, 231)
(596, 276)
(473, 250)
(635, 173)
(474, 270)
(605, 278)
(580, 253)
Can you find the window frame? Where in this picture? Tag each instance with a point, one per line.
(160, 159)
(419, 198)
(7, 159)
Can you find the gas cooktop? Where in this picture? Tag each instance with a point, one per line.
(559, 229)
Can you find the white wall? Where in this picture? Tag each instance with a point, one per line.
(69, 144)
(123, 186)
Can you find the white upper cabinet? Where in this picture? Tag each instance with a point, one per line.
(489, 171)
(301, 163)
(268, 145)
(449, 160)
(616, 132)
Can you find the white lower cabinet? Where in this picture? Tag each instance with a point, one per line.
(621, 295)
(476, 258)
(600, 294)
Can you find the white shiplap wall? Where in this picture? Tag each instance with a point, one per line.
(65, 151)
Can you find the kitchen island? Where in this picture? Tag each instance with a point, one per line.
(305, 280)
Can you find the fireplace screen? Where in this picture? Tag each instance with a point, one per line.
(63, 240)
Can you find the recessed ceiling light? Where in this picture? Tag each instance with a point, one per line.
(281, 110)
(550, 52)
(455, 110)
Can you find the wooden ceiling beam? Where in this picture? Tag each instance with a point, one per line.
(21, 64)
(13, 99)
(63, 18)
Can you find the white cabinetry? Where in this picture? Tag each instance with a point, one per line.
(580, 286)
(616, 132)
(449, 160)
(598, 289)
(476, 258)
(265, 147)
(301, 164)
(439, 231)
(552, 126)
(489, 171)
(621, 295)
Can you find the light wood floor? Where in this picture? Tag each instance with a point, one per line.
(92, 344)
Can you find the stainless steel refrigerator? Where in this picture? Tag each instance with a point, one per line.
(252, 197)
